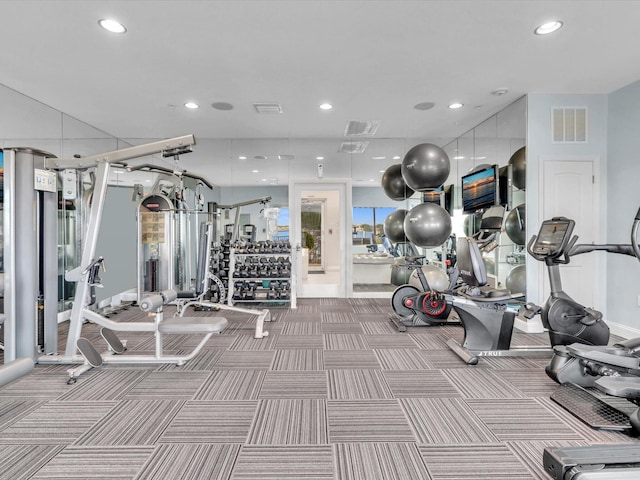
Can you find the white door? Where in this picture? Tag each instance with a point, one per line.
(569, 191)
(332, 282)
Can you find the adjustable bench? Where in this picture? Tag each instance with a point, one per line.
(154, 305)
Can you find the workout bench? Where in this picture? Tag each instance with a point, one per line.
(154, 305)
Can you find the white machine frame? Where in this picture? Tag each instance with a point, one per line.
(81, 310)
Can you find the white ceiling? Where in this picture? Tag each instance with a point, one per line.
(374, 60)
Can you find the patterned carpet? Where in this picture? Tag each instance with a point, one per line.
(334, 392)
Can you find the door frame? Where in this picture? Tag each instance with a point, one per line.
(343, 187)
(598, 205)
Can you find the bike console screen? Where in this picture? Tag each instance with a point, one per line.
(553, 237)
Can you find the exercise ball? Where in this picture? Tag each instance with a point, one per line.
(437, 278)
(425, 166)
(400, 272)
(394, 225)
(394, 185)
(516, 281)
(472, 224)
(518, 162)
(427, 225)
(515, 225)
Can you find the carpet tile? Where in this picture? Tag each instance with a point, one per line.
(479, 462)
(190, 462)
(289, 422)
(294, 385)
(295, 462)
(231, 385)
(367, 421)
(334, 392)
(211, 422)
(445, 421)
(96, 463)
(379, 461)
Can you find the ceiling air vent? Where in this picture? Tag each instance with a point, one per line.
(285, 157)
(267, 107)
(569, 125)
(356, 129)
(353, 147)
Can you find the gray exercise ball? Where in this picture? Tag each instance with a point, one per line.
(427, 225)
(516, 281)
(472, 224)
(518, 162)
(394, 185)
(515, 225)
(394, 225)
(437, 278)
(425, 166)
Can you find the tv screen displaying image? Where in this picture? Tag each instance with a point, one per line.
(433, 196)
(480, 190)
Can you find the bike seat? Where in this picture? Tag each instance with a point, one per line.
(414, 259)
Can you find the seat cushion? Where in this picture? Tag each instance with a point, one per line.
(189, 325)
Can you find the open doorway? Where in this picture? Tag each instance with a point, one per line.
(320, 220)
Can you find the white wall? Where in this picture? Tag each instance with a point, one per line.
(623, 273)
(541, 147)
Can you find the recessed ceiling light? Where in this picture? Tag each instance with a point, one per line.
(222, 106)
(326, 106)
(397, 157)
(381, 171)
(498, 92)
(548, 27)
(319, 158)
(242, 157)
(378, 158)
(424, 106)
(459, 157)
(263, 180)
(112, 26)
(255, 171)
(191, 105)
(454, 106)
(259, 157)
(371, 180)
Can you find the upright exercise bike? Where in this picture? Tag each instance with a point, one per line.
(566, 320)
(582, 360)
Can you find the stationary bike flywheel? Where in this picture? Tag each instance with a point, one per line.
(434, 303)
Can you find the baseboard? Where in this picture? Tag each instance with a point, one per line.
(533, 325)
(623, 331)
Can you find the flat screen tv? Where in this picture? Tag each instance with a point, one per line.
(506, 182)
(433, 196)
(480, 189)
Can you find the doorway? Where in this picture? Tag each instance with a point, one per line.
(320, 220)
(569, 190)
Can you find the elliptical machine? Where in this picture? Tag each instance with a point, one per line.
(588, 362)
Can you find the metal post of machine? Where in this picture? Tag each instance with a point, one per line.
(30, 251)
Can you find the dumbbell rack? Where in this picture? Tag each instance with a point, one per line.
(260, 292)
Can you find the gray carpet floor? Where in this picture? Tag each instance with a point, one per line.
(334, 392)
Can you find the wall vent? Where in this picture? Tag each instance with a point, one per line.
(353, 147)
(358, 129)
(569, 125)
(268, 107)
